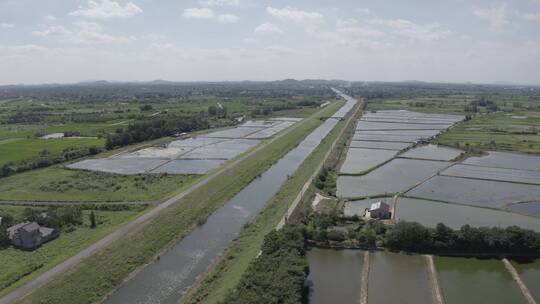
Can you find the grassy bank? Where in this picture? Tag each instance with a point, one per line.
(18, 266)
(94, 277)
(227, 272)
(58, 184)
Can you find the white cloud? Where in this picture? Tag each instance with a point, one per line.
(227, 18)
(6, 25)
(215, 3)
(101, 9)
(532, 17)
(410, 30)
(268, 28)
(496, 16)
(82, 33)
(364, 11)
(296, 16)
(50, 18)
(208, 14)
(198, 13)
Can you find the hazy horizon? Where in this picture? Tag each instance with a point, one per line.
(456, 41)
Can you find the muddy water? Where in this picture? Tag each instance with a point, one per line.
(398, 278)
(473, 281)
(335, 276)
(167, 280)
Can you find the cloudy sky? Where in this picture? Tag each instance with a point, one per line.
(46, 41)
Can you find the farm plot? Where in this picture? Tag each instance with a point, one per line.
(360, 160)
(428, 213)
(396, 176)
(191, 155)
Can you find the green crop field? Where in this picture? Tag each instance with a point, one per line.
(497, 131)
(30, 149)
(102, 272)
(19, 266)
(58, 184)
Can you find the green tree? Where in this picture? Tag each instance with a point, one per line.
(93, 223)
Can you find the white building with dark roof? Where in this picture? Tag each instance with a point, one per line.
(29, 235)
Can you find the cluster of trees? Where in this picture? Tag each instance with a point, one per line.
(278, 274)
(56, 217)
(326, 181)
(155, 128)
(414, 237)
(324, 228)
(216, 111)
(7, 220)
(47, 159)
(490, 106)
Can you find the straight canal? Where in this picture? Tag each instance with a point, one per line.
(168, 279)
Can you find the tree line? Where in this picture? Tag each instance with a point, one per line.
(156, 128)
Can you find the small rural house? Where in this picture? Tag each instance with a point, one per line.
(29, 235)
(379, 210)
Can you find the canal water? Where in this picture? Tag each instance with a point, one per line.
(167, 280)
(334, 275)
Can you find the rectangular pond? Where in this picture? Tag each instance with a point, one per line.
(483, 193)
(398, 278)
(432, 152)
(368, 125)
(119, 165)
(498, 174)
(473, 281)
(530, 208)
(529, 271)
(430, 213)
(396, 176)
(417, 133)
(238, 132)
(388, 138)
(188, 166)
(360, 160)
(506, 160)
(334, 275)
(379, 145)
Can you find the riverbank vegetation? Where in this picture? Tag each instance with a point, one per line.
(102, 272)
(278, 274)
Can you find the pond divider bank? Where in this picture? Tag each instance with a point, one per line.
(364, 286)
(524, 290)
(436, 290)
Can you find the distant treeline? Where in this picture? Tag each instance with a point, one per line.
(278, 274)
(156, 128)
(414, 237)
(45, 160)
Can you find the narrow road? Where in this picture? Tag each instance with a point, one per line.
(131, 226)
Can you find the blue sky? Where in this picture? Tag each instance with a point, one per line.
(63, 41)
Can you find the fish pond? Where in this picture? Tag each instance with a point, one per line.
(432, 152)
(529, 271)
(497, 174)
(379, 145)
(530, 208)
(360, 160)
(506, 160)
(473, 281)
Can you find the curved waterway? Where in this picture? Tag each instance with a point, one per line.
(167, 280)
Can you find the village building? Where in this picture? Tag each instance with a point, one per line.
(29, 235)
(379, 210)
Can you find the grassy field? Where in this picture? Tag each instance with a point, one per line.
(226, 274)
(497, 131)
(102, 272)
(22, 149)
(58, 184)
(19, 266)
